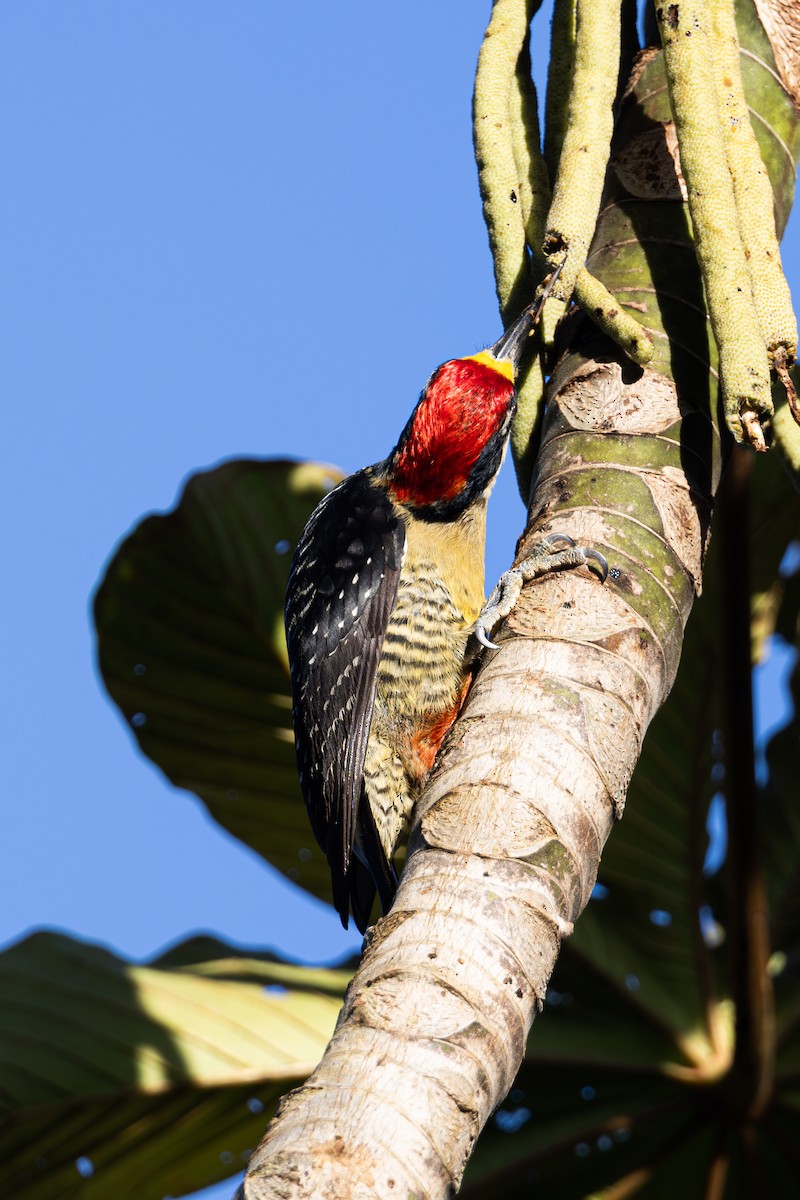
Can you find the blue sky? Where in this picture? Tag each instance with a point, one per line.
(227, 229)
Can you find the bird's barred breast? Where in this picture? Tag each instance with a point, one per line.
(423, 652)
(420, 685)
(421, 676)
(439, 597)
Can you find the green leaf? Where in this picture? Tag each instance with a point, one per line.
(191, 647)
(158, 1079)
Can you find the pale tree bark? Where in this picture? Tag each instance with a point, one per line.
(509, 833)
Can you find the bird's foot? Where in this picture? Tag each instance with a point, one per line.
(543, 558)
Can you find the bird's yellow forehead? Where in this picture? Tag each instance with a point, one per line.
(501, 365)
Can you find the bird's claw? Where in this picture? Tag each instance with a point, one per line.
(480, 634)
(489, 615)
(543, 558)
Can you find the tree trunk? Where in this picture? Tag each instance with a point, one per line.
(508, 836)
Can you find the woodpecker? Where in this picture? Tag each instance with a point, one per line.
(385, 588)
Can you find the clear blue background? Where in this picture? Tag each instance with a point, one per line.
(227, 229)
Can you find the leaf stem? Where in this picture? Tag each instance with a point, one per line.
(755, 203)
(498, 175)
(688, 42)
(586, 143)
(581, 90)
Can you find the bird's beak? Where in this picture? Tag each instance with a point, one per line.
(511, 345)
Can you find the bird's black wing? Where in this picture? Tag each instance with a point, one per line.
(342, 588)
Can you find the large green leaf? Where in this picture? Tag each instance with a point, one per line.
(191, 647)
(141, 1081)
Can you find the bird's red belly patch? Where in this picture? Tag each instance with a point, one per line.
(432, 730)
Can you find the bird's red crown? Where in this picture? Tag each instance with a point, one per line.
(465, 404)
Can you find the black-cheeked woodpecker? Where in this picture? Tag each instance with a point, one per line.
(386, 587)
